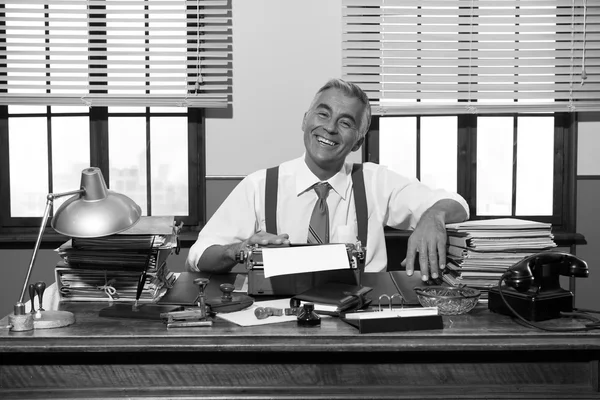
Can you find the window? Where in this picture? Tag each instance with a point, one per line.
(117, 85)
(465, 92)
(154, 157)
(518, 166)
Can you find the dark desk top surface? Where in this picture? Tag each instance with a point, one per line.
(479, 330)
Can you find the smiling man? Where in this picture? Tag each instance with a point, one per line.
(334, 126)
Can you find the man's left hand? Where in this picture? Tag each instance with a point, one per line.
(429, 241)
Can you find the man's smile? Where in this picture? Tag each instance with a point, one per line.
(326, 142)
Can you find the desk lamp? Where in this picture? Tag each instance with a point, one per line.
(93, 211)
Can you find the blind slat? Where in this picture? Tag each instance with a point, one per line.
(155, 52)
(205, 63)
(201, 101)
(141, 70)
(127, 3)
(509, 78)
(518, 55)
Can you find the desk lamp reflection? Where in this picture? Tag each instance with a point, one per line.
(92, 211)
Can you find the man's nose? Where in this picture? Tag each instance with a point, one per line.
(331, 126)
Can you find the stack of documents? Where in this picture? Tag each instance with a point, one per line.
(112, 267)
(479, 252)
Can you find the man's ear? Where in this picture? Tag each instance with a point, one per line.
(304, 121)
(358, 143)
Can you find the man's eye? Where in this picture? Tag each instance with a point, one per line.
(346, 124)
(322, 115)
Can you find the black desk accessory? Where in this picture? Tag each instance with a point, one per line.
(398, 324)
(532, 288)
(229, 301)
(332, 298)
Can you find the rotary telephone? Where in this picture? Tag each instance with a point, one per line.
(532, 288)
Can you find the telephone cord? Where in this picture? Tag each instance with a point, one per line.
(523, 321)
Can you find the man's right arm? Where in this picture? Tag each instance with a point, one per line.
(221, 259)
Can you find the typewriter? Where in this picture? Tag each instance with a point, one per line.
(289, 285)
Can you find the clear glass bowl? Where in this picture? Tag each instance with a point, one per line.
(448, 299)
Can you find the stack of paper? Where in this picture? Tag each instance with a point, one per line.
(112, 267)
(479, 252)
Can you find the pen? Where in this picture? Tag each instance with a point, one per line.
(142, 280)
(140, 286)
(188, 324)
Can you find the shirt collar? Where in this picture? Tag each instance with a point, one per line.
(340, 182)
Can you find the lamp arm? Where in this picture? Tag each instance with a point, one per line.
(49, 200)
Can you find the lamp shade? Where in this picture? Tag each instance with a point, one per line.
(96, 211)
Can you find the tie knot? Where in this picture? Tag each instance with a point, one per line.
(322, 189)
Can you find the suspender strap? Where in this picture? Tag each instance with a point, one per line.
(360, 203)
(271, 199)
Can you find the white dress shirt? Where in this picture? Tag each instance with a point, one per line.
(392, 200)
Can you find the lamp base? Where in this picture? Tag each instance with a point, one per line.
(53, 319)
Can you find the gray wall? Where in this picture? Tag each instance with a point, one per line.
(588, 223)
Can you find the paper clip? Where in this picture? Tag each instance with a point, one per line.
(390, 301)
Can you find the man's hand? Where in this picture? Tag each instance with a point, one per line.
(429, 241)
(264, 238)
(221, 258)
(429, 238)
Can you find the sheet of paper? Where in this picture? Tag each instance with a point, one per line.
(294, 260)
(246, 316)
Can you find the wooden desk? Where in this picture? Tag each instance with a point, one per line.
(479, 355)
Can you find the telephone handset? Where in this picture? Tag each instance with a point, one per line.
(532, 286)
(541, 271)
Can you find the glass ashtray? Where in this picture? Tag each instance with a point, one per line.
(448, 299)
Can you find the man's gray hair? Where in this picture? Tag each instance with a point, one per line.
(351, 90)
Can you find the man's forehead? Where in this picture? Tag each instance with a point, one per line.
(335, 98)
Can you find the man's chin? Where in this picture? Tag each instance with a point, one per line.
(328, 163)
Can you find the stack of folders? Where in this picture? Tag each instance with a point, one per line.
(479, 252)
(113, 267)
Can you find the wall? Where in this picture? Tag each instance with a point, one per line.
(588, 215)
(285, 50)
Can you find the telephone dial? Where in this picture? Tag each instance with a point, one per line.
(532, 287)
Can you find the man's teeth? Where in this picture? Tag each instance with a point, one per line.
(325, 141)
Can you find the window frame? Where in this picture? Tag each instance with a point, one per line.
(99, 157)
(565, 142)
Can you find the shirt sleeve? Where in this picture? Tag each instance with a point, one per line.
(401, 201)
(234, 221)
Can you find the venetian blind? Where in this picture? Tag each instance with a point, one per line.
(116, 52)
(474, 56)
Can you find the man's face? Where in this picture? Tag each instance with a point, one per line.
(331, 131)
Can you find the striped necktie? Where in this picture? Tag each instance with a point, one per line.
(318, 230)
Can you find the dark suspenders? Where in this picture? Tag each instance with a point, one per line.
(271, 199)
(360, 201)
